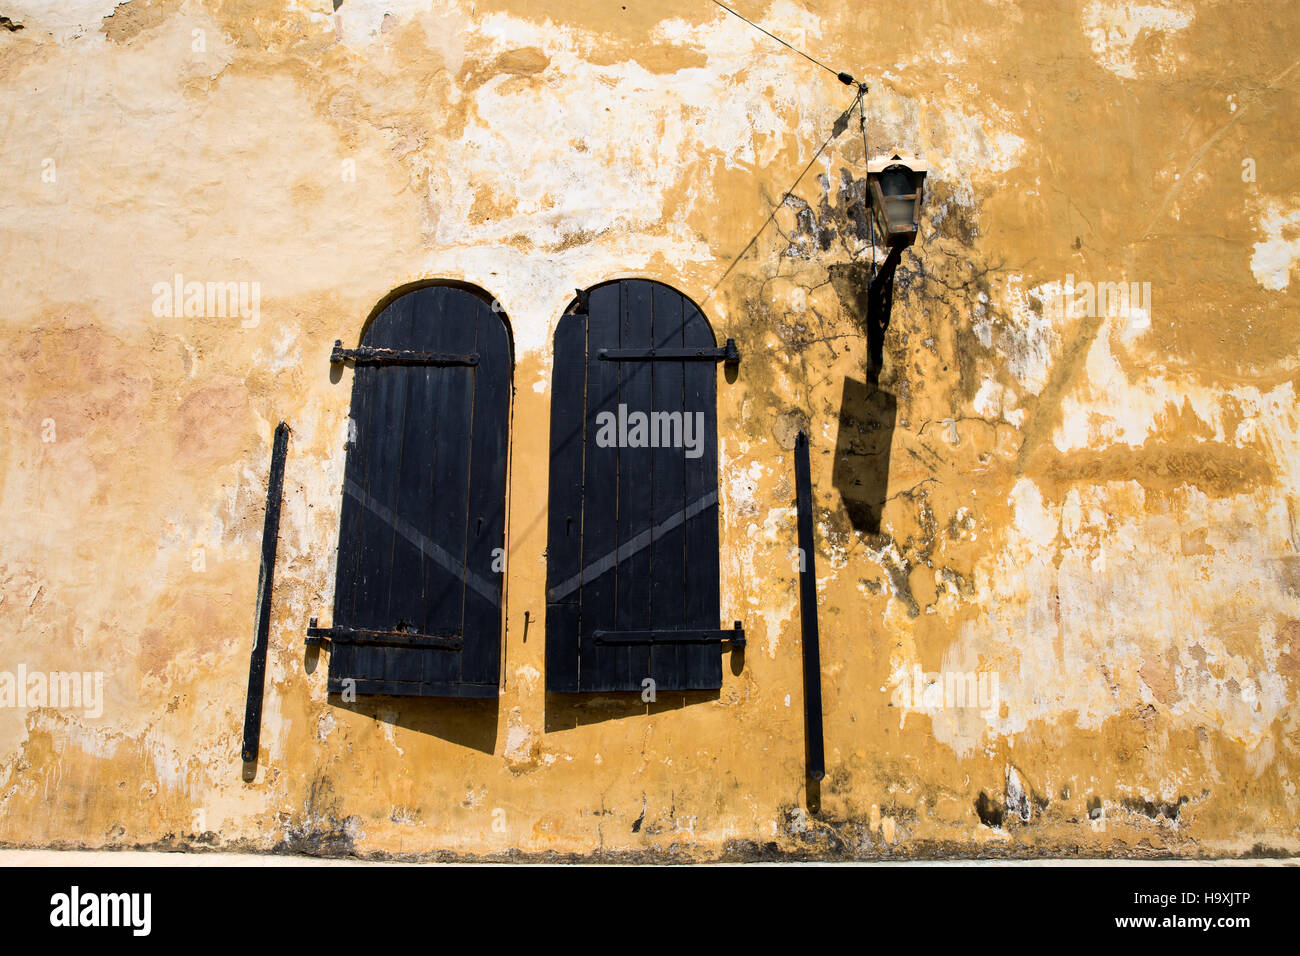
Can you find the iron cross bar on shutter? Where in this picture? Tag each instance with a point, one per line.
(367, 355)
(736, 636)
(352, 635)
(728, 354)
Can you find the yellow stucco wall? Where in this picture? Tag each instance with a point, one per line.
(1099, 509)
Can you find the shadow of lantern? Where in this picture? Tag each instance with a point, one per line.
(867, 412)
(861, 469)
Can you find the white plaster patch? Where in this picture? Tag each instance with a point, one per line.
(528, 676)
(62, 19)
(1137, 323)
(1110, 405)
(285, 352)
(741, 484)
(961, 146)
(1276, 255)
(1029, 338)
(994, 401)
(1122, 564)
(590, 206)
(1114, 28)
(1035, 522)
(97, 741)
(775, 537)
(359, 23)
(388, 717)
(522, 748)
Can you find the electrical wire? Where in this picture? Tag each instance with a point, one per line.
(866, 160)
(844, 78)
(835, 131)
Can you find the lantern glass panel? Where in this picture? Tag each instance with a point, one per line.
(895, 185)
(899, 213)
(895, 181)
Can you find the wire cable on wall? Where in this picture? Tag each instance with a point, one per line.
(845, 78)
(866, 159)
(841, 124)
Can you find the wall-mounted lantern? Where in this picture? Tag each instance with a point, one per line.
(896, 184)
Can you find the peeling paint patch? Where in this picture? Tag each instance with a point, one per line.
(64, 20)
(1276, 255)
(1117, 31)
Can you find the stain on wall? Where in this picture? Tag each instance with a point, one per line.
(1055, 498)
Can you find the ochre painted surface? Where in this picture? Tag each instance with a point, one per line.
(1097, 507)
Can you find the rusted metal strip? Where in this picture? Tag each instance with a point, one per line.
(382, 638)
(367, 355)
(270, 536)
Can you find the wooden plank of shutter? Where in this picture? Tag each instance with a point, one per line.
(625, 667)
(406, 597)
(668, 497)
(564, 529)
(455, 331)
(390, 330)
(703, 663)
(352, 514)
(481, 659)
(357, 523)
(600, 488)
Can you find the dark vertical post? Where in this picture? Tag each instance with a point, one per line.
(270, 535)
(812, 666)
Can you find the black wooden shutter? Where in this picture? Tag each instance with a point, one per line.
(632, 547)
(417, 602)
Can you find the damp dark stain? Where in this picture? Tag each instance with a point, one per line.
(1155, 810)
(989, 811)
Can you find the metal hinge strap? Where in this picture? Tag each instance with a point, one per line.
(352, 635)
(367, 355)
(728, 354)
(734, 637)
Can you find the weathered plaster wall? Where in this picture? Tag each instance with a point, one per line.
(1099, 509)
